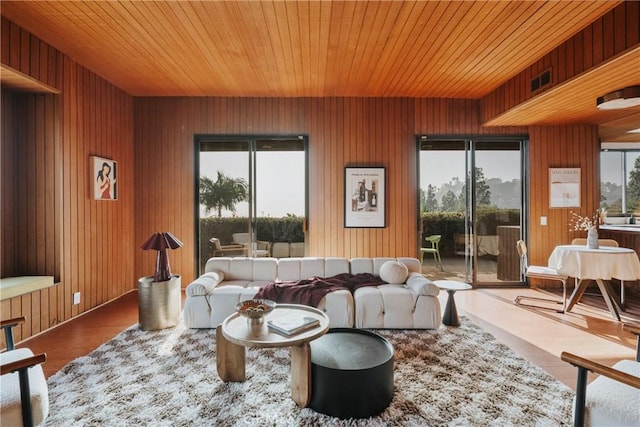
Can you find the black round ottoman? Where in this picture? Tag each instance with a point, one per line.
(351, 373)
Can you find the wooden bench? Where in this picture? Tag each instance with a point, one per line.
(15, 286)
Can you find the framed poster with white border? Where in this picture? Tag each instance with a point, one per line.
(364, 197)
(104, 178)
(564, 187)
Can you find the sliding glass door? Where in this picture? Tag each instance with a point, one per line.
(471, 194)
(497, 208)
(252, 196)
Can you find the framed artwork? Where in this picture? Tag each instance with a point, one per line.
(364, 192)
(104, 178)
(564, 191)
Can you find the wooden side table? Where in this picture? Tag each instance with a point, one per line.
(235, 333)
(450, 317)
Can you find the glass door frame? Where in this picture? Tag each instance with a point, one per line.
(252, 141)
(522, 142)
(470, 222)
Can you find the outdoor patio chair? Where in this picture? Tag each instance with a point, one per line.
(256, 248)
(540, 272)
(24, 391)
(612, 398)
(220, 250)
(434, 248)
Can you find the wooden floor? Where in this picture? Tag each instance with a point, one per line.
(538, 335)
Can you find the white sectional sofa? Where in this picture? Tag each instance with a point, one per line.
(412, 304)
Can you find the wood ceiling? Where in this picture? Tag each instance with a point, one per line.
(444, 49)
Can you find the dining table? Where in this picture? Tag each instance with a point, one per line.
(601, 265)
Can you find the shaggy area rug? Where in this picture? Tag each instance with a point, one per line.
(449, 377)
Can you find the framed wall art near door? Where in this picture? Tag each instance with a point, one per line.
(364, 191)
(564, 187)
(104, 178)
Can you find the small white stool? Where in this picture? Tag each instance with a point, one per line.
(450, 317)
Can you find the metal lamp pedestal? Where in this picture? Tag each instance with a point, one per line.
(159, 303)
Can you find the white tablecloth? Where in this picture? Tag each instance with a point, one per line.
(603, 263)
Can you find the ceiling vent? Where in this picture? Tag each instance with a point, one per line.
(541, 81)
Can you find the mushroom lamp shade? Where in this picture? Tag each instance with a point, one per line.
(161, 242)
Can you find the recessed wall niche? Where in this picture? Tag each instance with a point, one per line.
(30, 215)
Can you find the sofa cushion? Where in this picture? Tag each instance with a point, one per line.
(242, 268)
(289, 269)
(311, 267)
(335, 265)
(361, 265)
(215, 275)
(421, 285)
(205, 284)
(393, 272)
(265, 269)
(412, 264)
(255, 284)
(378, 263)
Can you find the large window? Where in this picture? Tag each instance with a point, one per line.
(252, 196)
(620, 179)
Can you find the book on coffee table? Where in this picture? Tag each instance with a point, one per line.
(292, 324)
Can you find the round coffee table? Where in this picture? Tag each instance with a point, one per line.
(235, 333)
(450, 317)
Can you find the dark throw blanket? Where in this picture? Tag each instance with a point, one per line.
(311, 291)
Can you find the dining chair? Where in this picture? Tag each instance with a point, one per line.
(602, 242)
(612, 398)
(434, 248)
(540, 272)
(24, 393)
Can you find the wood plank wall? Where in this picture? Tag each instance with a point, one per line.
(608, 36)
(8, 156)
(33, 241)
(342, 131)
(574, 146)
(55, 227)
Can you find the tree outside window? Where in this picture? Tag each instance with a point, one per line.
(224, 193)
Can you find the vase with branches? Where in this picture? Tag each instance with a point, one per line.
(588, 224)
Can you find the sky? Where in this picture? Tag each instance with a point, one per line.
(440, 167)
(611, 166)
(279, 177)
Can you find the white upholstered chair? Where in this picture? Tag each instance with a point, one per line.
(612, 399)
(539, 272)
(24, 395)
